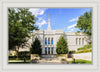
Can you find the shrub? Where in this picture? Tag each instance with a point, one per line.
(84, 51)
(72, 52)
(24, 53)
(85, 47)
(63, 59)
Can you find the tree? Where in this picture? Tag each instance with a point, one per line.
(21, 24)
(62, 47)
(84, 23)
(36, 47)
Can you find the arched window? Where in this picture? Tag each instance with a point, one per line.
(48, 40)
(45, 41)
(79, 41)
(48, 50)
(52, 41)
(45, 50)
(83, 41)
(51, 50)
(76, 40)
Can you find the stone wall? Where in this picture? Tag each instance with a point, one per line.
(85, 56)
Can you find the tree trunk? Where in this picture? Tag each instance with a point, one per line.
(17, 52)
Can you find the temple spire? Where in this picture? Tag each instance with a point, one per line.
(49, 27)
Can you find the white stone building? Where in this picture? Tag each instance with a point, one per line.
(49, 38)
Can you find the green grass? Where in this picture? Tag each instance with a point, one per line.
(18, 62)
(80, 61)
(19, 59)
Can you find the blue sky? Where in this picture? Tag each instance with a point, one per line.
(60, 18)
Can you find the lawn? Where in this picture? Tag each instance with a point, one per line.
(18, 62)
(80, 61)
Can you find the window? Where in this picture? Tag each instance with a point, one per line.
(48, 40)
(52, 41)
(51, 50)
(83, 41)
(76, 40)
(48, 50)
(79, 41)
(45, 50)
(45, 41)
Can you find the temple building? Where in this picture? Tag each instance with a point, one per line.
(49, 38)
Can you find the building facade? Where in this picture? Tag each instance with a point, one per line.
(49, 38)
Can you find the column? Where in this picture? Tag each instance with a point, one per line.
(50, 41)
(47, 50)
(47, 40)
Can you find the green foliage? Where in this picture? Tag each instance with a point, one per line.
(36, 47)
(84, 51)
(24, 53)
(85, 47)
(72, 52)
(80, 61)
(63, 59)
(10, 54)
(62, 47)
(19, 59)
(84, 23)
(21, 24)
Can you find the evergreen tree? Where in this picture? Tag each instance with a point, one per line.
(62, 47)
(36, 47)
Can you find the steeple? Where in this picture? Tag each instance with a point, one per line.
(49, 27)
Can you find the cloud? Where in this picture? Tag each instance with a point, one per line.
(41, 23)
(74, 19)
(71, 26)
(37, 11)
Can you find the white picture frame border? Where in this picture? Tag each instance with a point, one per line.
(4, 4)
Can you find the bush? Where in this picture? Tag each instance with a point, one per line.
(85, 47)
(84, 51)
(20, 57)
(24, 53)
(72, 52)
(63, 59)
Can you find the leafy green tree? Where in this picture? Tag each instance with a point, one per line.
(36, 47)
(21, 24)
(84, 23)
(62, 47)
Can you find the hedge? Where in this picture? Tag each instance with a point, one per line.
(89, 46)
(84, 51)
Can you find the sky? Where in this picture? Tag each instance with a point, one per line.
(60, 18)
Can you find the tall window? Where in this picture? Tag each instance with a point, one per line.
(83, 41)
(45, 41)
(52, 41)
(51, 50)
(48, 50)
(76, 40)
(45, 50)
(48, 40)
(79, 41)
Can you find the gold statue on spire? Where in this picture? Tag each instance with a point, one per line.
(49, 15)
